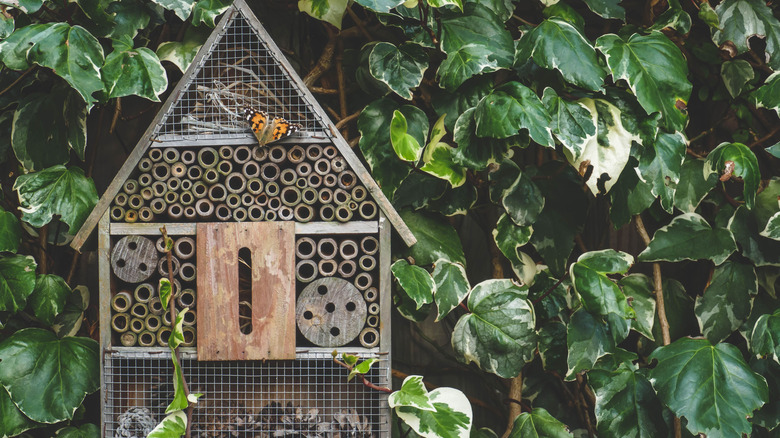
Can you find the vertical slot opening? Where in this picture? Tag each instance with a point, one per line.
(245, 290)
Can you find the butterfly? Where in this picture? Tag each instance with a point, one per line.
(268, 129)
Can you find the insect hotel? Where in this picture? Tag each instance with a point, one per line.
(281, 251)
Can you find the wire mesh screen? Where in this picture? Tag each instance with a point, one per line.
(239, 71)
(302, 398)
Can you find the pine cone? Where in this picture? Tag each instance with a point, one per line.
(348, 424)
(135, 422)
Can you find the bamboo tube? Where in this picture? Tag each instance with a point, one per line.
(255, 213)
(306, 271)
(272, 188)
(305, 248)
(186, 185)
(327, 268)
(222, 212)
(207, 157)
(186, 298)
(330, 152)
(343, 213)
(175, 211)
(199, 189)
(352, 205)
(189, 319)
(329, 180)
(170, 155)
(373, 308)
(117, 213)
(369, 337)
(166, 318)
(159, 188)
(190, 213)
(184, 248)
(145, 164)
(325, 195)
(285, 213)
(250, 170)
(188, 157)
(157, 206)
(155, 154)
(130, 186)
(363, 281)
(303, 169)
(159, 244)
(239, 214)
(296, 154)
(314, 152)
(270, 215)
(367, 263)
(369, 245)
(338, 164)
(189, 337)
(204, 208)
(288, 177)
(162, 336)
(347, 180)
(247, 199)
(147, 193)
(277, 154)
(254, 186)
(145, 180)
(128, 339)
(301, 183)
(178, 169)
(152, 323)
(261, 199)
(186, 198)
(327, 248)
(232, 200)
(322, 166)
(367, 209)
(171, 197)
(327, 213)
(143, 292)
(161, 171)
(136, 325)
(135, 201)
(371, 294)
(290, 196)
(372, 321)
(120, 199)
(303, 213)
(314, 181)
(162, 266)
(217, 193)
(341, 197)
(173, 183)
(347, 268)
(242, 154)
(259, 153)
(269, 172)
(195, 172)
(139, 310)
(225, 168)
(120, 322)
(131, 216)
(309, 196)
(226, 152)
(348, 249)
(235, 182)
(155, 306)
(187, 271)
(210, 176)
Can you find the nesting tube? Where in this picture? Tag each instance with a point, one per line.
(322, 166)
(242, 154)
(261, 199)
(330, 151)
(303, 169)
(371, 294)
(161, 171)
(189, 337)
(372, 321)
(128, 339)
(363, 281)
(235, 182)
(135, 201)
(145, 214)
(373, 308)
(186, 185)
(155, 306)
(367, 263)
(314, 152)
(139, 310)
(187, 271)
(296, 154)
(277, 154)
(162, 266)
(161, 338)
(291, 196)
(285, 213)
(122, 301)
(274, 203)
(347, 268)
(270, 172)
(120, 199)
(327, 248)
(171, 197)
(195, 173)
(369, 245)
(359, 193)
(159, 245)
(327, 213)
(158, 206)
(240, 214)
(325, 195)
(272, 188)
(117, 213)
(255, 213)
(250, 170)
(147, 193)
(247, 199)
(224, 168)
(178, 169)
(152, 323)
(309, 196)
(347, 180)
(314, 181)
(120, 322)
(186, 298)
(199, 190)
(352, 205)
(175, 211)
(341, 196)
(136, 325)
(155, 154)
(131, 216)
(184, 248)
(145, 179)
(130, 186)
(166, 318)
(186, 198)
(303, 213)
(327, 268)
(367, 209)
(223, 212)
(145, 164)
(288, 177)
(188, 157)
(301, 183)
(143, 292)
(190, 213)
(343, 213)
(369, 337)
(207, 157)
(189, 319)
(159, 188)
(259, 153)
(210, 176)
(217, 193)
(348, 249)
(329, 180)
(270, 215)
(338, 164)
(204, 208)
(232, 200)
(254, 186)
(226, 152)
(170, 155)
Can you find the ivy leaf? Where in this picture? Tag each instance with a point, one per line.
(689, 237)
(772, 229)
(768, 95)
(206, 11)
(639, 288)
(523, 201)
(418, 190)
(415, 281)
(456, 201)
(572, 122)
(727, 301)
(709, 16)
(26, 6)
(179, 402)
(693, 186)
(660, 166)
(48, 298)
(442, 3)
(656, 72)
(510, 108)
(599, 294)
(475, 42)
(556, 44)
(436, 239)
(477, 152)
(711, 386)
(679, 311)
(552, 346)
(741, 20)
(68, 322)
(88, 430)
(129, 18)
(629, 196)
(588, 339)
(626, 404)
(56, 190)
(758, 248)
(438, 161)
(71, 362)
(177, 333)
(452, 286)
(401, 68)
(498, 335)
(451, 105)
(173, 425)
(745, 167)
(10, 232)
(765, 338)
(14, 421)
(566, 13)
(383, 6)
(735, 75)
(17, 282)
(100, 22)
(451, 419)
(509, 237)
(164, 288)
(538, 424)
(7, 26)
(130, 71)
(182, 8)
(182, 53)
(404, 144)
(412, 394)
(607, 8)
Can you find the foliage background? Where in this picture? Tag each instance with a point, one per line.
(617, 160)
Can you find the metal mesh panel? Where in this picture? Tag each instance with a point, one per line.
(302, 398)
(239, 71)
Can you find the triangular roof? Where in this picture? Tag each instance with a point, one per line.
(287, 96)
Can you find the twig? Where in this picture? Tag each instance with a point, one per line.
(359, 23)
(325, 61)
(765, 138)
(583, 409)
(523, 20)
(16, 81)
(117, 112)
(366, 382)
(549, 291)
(342, 84)
(43, 235)
(322, 90)
(515, 409)
(348, 119)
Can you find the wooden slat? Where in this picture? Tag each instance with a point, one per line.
(189, 229)
(248, 140)
(104, 300)
(273, 291)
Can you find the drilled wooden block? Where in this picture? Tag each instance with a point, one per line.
(330, 312)
(134, 259)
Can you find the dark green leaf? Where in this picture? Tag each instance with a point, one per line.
(206, 11)
(164, 288)
(129, 17)
(68, 322)
(418, 190)
(572, 122)
(452, 286)
(523, 201)
(10, 232)
(380, 5)
(538, 424)
(13, 421)
(436, 239)
(711, 386)
(466, 96)
(772, 230)
(509, 237)
(415, 281)
(588, 339)
(709, 16)
(639, 289)
(765, 338)
(598, 293)
(745, 166)
(179, 402)
(510, 108)
(689, 237)
(401, 68)
(181, 8)
(741, 20)
(457, 201)
(660, 166)
(549, 295)
(17, 281)
(26, 6)
(6, 26)
(476, 152)
(693, 186)
(674, 17)
(629, 196)
(761, 250)
(607, 8)
(85, 431)
(47, 377)
(130, 71)
(100, 22)
(727, 300)
(408, 308)
(48, 298)
(769, 415)
(768, 95)
(566, 13)
(552, 346)
(182, 53)
(679, 311)
(735, 75)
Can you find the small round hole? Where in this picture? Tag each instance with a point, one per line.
(143, 267)
(335, 331)
(132, 245)
(330, 307)
(308, 315)
(351, 306)
(120, 263)
(322, 290)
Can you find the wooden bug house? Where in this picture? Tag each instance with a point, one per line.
(281, 252)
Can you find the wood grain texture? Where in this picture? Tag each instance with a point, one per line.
(330, 312)
(272, 245)
(184, 229)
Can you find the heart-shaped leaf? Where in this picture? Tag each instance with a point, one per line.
(639, 289)
(14, 421)
(478, 152)
(588, 339)
(451, 418)
(768, 95)
(173, 425)
(68, 322)
(206, 11)
(689, 237)
(607, 8)
(412, 394)
(128, 71)
(405, 145)
(599, 294)
(182, 53)
(737, 160)
(740, 20)
(182, 8)
(509, 237)
(49, 296)
(401, 68)
(452, 286)
(538, 424)
(436, 239)
(660, 165)
(693, 186)
(727, 301)
(415, 281)
(765, 339)
(10, 232)
(17, 281)
(735, 75)
(572, 122)
(510, 108)
(772, 229)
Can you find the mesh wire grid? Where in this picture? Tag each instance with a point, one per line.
(239, 71)
(300, 398)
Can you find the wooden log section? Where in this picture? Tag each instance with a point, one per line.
(133, 259)
(330, 312)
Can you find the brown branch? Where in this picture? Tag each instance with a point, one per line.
(359, 23)
(765, 138)
(583, 409)
(16, 81)
(348, 119)
(342, 85)
(117, 111)
(366, 382)
(326, 91)
(515, 409)
(325, 61)
(43, 235)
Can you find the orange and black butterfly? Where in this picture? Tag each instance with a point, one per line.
(268, 129)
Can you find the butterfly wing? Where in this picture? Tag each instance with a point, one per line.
(267, 130)
(258, 121)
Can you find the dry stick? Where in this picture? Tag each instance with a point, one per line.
(515, 409)
(117, 111)
(348, 119)
(16, 81)
(325, 61)
(342, 84)
(43, 235)
(359, 23)
(366, 382)
(584, 407)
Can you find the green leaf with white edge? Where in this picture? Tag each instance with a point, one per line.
(455, 201)
(14, 421)
(674, 18)
(7, 26)
(72, 371)
(177, 334)
(483, 432)
(565, 13)
(556, 44)
(523, 201)
(10, 232)
(509, 237)
(17, 281)
(626, 404)
(709, 16)
(408, 308)
(741, 20)
(745, 167)
(656, 72)
(88, 430)
(588, 339)
(552, 346)
(180, 401)
(401, 68)
(164, 289)
(711, 386)
(510, 108)
(693, 186)
(48, 298)
(660, 165)
(629, 196)
(475, 42)
(767, 202)
(331, 11)
(538, 424)
(442, 3)
(406, 147)
(26, 6)
(436, 239)
(727, 301)
(418, 190)
(206, 11)
(745, 226)
(451, 105)
(452, 286)
(765, 338)
(478, 152)
(451, 418)
(415, 281)
(383, 6)
(365, 366)
(438, 161)
(498, 335)
(412, 394)
(182, 8)
(607, 8)
(769, 414)
(735, 75)
(689, 237)
(772, 229)
(129, 17)
(14, 49)
(572, 122)
(182, 53)
(551, 296)
(768, 95)
(639, 289)
(598, 293)
(68, 322)
(56, 190)
(773, 150)
(130, 71)
(173, 425)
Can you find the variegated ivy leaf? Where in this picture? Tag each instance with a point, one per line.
(768, 95)
(552, 346)
(476, 152)
(741, 20)
(772, 229)
(412, 394)
(689, 237)
(380, 5)
(133, 71)
(437, 158)
(181, 53)
(739, 161)
(510, 108)
(660, 166)
(565, 13)
(607, 8)
(509, 237)
(745, 226)
(572, 122)
(404, 144)
(451, 418)
(523, 201)
(180, 401)
(10, 232)
(674, 17)
(727, 301)
(735, 75)
(177, 334)
(361, 368)
(765, 338)
(415, 281)
(331, 11)
(17, 281)
(441, 3)
(693, 186)
(639, 288)
(401, 68)
(206, 11)
(598, 293)
(182, 8)
(452, 286)
(435, 239)
(538, 424)
(173, 425)
(588, 338)
(164, 289)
